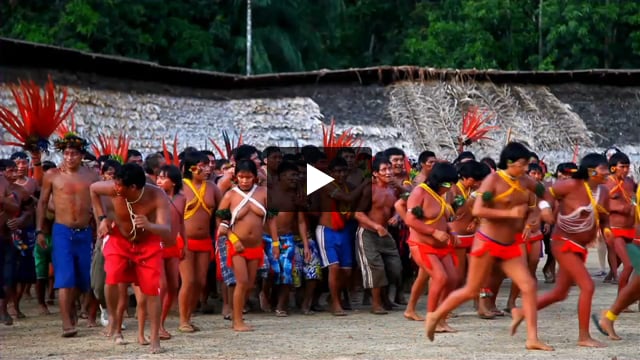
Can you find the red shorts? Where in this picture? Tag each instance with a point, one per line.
(197, 245)
(465, 241)
(171, 252)
(255, 253)
(140, 263)
(519, 238)
(420, 252)
(571, 246)
(496, 249)
(627, 234)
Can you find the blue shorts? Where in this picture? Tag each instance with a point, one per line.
(336, 247)
(270, 265)
(227, 273)
(285, 262)
(71, 257)
(311, 270)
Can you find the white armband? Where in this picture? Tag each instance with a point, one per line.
(543, 204)
(473, 195)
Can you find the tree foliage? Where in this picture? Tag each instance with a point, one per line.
(302, 35)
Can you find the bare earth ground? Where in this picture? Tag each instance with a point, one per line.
(322, 336)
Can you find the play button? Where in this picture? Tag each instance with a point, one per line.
(316, 179)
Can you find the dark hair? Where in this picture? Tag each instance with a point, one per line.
(473, 169)
(192, 158)
(313, 157)
(270, 150)
(337, 162)
(309, 152)
(535, 156)
(187, 150)
(587, 164)
(173, 173)
(394, 151)
(425, 155)
(345, 150)
(47, 165)
(618, 158)
(221, 162)
(464, 155)
(379, 160)
(152, 163)
(489, 162)
(131, 174)
(89, 157)
(567, 168)
(209, 153)
(133, 152)
(246, 165)
(110, 163)
(19, 155)
(287, 166)
(6, 163)
(535, 167)
(290, 157)
(442, 172)
(244, 152)
(513, 152)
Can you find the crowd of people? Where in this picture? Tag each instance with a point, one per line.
(175, 228)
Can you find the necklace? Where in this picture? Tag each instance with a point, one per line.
(136, 200)
(133, 232)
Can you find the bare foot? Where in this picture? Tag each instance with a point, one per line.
(142, 340)
(537, 345)
(44, 310)
(264, 303)
(412, 316)
(430, 326)
(155, 348)
(92, 324)
(119, 340)
(589, 342)
(443, 327)
(516, 318)
(107, 333)
(242, 327)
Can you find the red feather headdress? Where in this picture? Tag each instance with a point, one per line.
(474, 127)
(116, 148)
(332, 143)
(167, 156)
(65, 128)
(39, 114)
(227, 144)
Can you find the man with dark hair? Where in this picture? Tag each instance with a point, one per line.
(152, 165)
(9, 206)
(72, 236)
(133, 249)
(376, 250)
(134, 156)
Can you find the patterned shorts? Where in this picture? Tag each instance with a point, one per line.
(227, 273)
(302, 270)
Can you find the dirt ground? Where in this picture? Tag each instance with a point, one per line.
(322, 336)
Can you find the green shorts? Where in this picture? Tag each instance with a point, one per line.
(43, 260)
(98, 276)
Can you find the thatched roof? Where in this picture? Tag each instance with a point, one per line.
(432, 112)
(23, 54)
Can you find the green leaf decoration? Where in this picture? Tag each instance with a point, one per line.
(223, 214)
(418, 212)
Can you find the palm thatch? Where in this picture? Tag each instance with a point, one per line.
(432, 112)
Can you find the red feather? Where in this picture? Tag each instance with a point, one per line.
(108, 145)
(64, 129)
(331, 143)
(474, 127)
(38, 114)
(165, 151)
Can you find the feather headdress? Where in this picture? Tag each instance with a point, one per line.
(227, 144)
(332, 143)
(39, 114)
(65, 128)
(168, 156)
(109, 145)
(474, 127)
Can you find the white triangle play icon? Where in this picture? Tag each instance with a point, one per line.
(316, 179)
